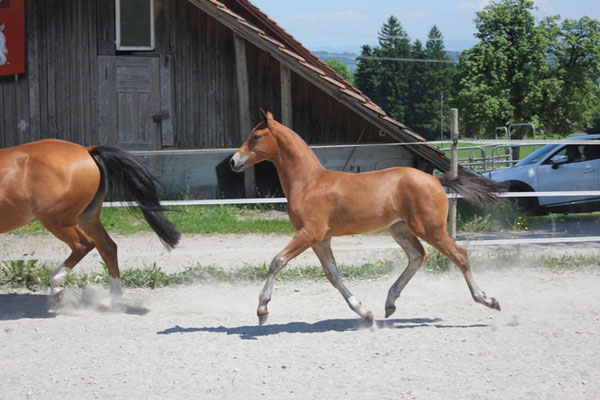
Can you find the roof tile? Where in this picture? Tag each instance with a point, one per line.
(355, 95)
(253, 27)
(292, 54)
(217, 3)
(333, 81)
(228, 11)
(270, 39)
(393, 121)
(373, 107)
(317, 70)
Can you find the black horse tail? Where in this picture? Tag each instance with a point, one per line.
(475, 188)
(129, 177)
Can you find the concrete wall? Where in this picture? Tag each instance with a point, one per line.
(205, 174)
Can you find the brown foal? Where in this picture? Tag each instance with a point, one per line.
(322, 203)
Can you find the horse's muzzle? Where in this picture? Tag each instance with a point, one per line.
(238, 162)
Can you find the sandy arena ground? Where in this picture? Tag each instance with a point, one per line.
(203, 341)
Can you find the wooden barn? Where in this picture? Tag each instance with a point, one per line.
(151, 75)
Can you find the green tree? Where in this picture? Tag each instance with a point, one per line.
(546, 74)
(416, 98)
(366, 72)
(498, 77)
(569, 94)
(391, 83)
(341, 69)
(438, 76)
(394, 78)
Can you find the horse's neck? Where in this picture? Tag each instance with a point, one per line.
(296, 163)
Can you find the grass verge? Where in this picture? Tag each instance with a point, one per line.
(223, 219)
(34, 275)
(187, 219)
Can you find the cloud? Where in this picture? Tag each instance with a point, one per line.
(545, 7)
(542, 5)
(347, 15)
(474, 5)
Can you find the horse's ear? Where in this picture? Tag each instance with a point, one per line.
(263, 115)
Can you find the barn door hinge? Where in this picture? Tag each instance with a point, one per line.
(159, 116)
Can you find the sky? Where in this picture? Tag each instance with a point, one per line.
(346, 25)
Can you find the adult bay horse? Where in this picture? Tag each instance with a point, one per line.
(321, 204)
(63, 185)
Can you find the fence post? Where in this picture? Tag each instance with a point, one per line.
(453, 168)
(242, 85)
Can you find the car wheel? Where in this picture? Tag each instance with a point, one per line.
(529, 205)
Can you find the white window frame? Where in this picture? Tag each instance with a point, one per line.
(118, 44)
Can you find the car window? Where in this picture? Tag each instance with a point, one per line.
(537, 155)
(573, 152)
(577, 153)
(591, 152)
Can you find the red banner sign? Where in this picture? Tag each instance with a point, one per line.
(12, 37)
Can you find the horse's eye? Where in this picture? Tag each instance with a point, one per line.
(256, 138)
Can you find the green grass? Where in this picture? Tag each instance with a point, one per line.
(223, 219)
(502, 216)
(240, 219)
(35, 276)
(187, 219)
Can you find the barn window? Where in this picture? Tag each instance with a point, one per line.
(135, 24)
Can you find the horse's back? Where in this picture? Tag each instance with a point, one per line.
(389, 180)
(362, 202)
(49, 178)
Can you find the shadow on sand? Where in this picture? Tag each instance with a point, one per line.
(14, 306)
(25, 305)
(329, 325)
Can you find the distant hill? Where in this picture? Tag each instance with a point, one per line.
(349, 59)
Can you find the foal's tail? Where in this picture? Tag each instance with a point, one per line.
(475, 188)
(130, 177)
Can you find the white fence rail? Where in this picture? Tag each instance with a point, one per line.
(275, 200)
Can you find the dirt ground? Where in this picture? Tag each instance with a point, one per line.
(203, 341)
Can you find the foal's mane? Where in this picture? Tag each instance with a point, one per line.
(292, 141)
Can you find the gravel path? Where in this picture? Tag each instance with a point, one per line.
(203, 341)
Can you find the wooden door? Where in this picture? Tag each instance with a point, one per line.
(130, 102)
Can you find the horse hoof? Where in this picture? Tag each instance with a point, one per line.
(495, 304)
(106, 305)
(263, 318)
(57, 294)
(389, 311)
(369, 319)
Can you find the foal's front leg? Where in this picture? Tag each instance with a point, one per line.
(325, 255)
(300, 242)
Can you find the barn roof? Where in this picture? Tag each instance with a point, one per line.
(258, 29)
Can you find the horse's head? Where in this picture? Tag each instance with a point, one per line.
(261, 145)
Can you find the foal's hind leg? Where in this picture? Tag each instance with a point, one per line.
(323, 251)
(458, 255)
(416, 254)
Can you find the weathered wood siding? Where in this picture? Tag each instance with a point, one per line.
(56, 97)
(59, 94)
